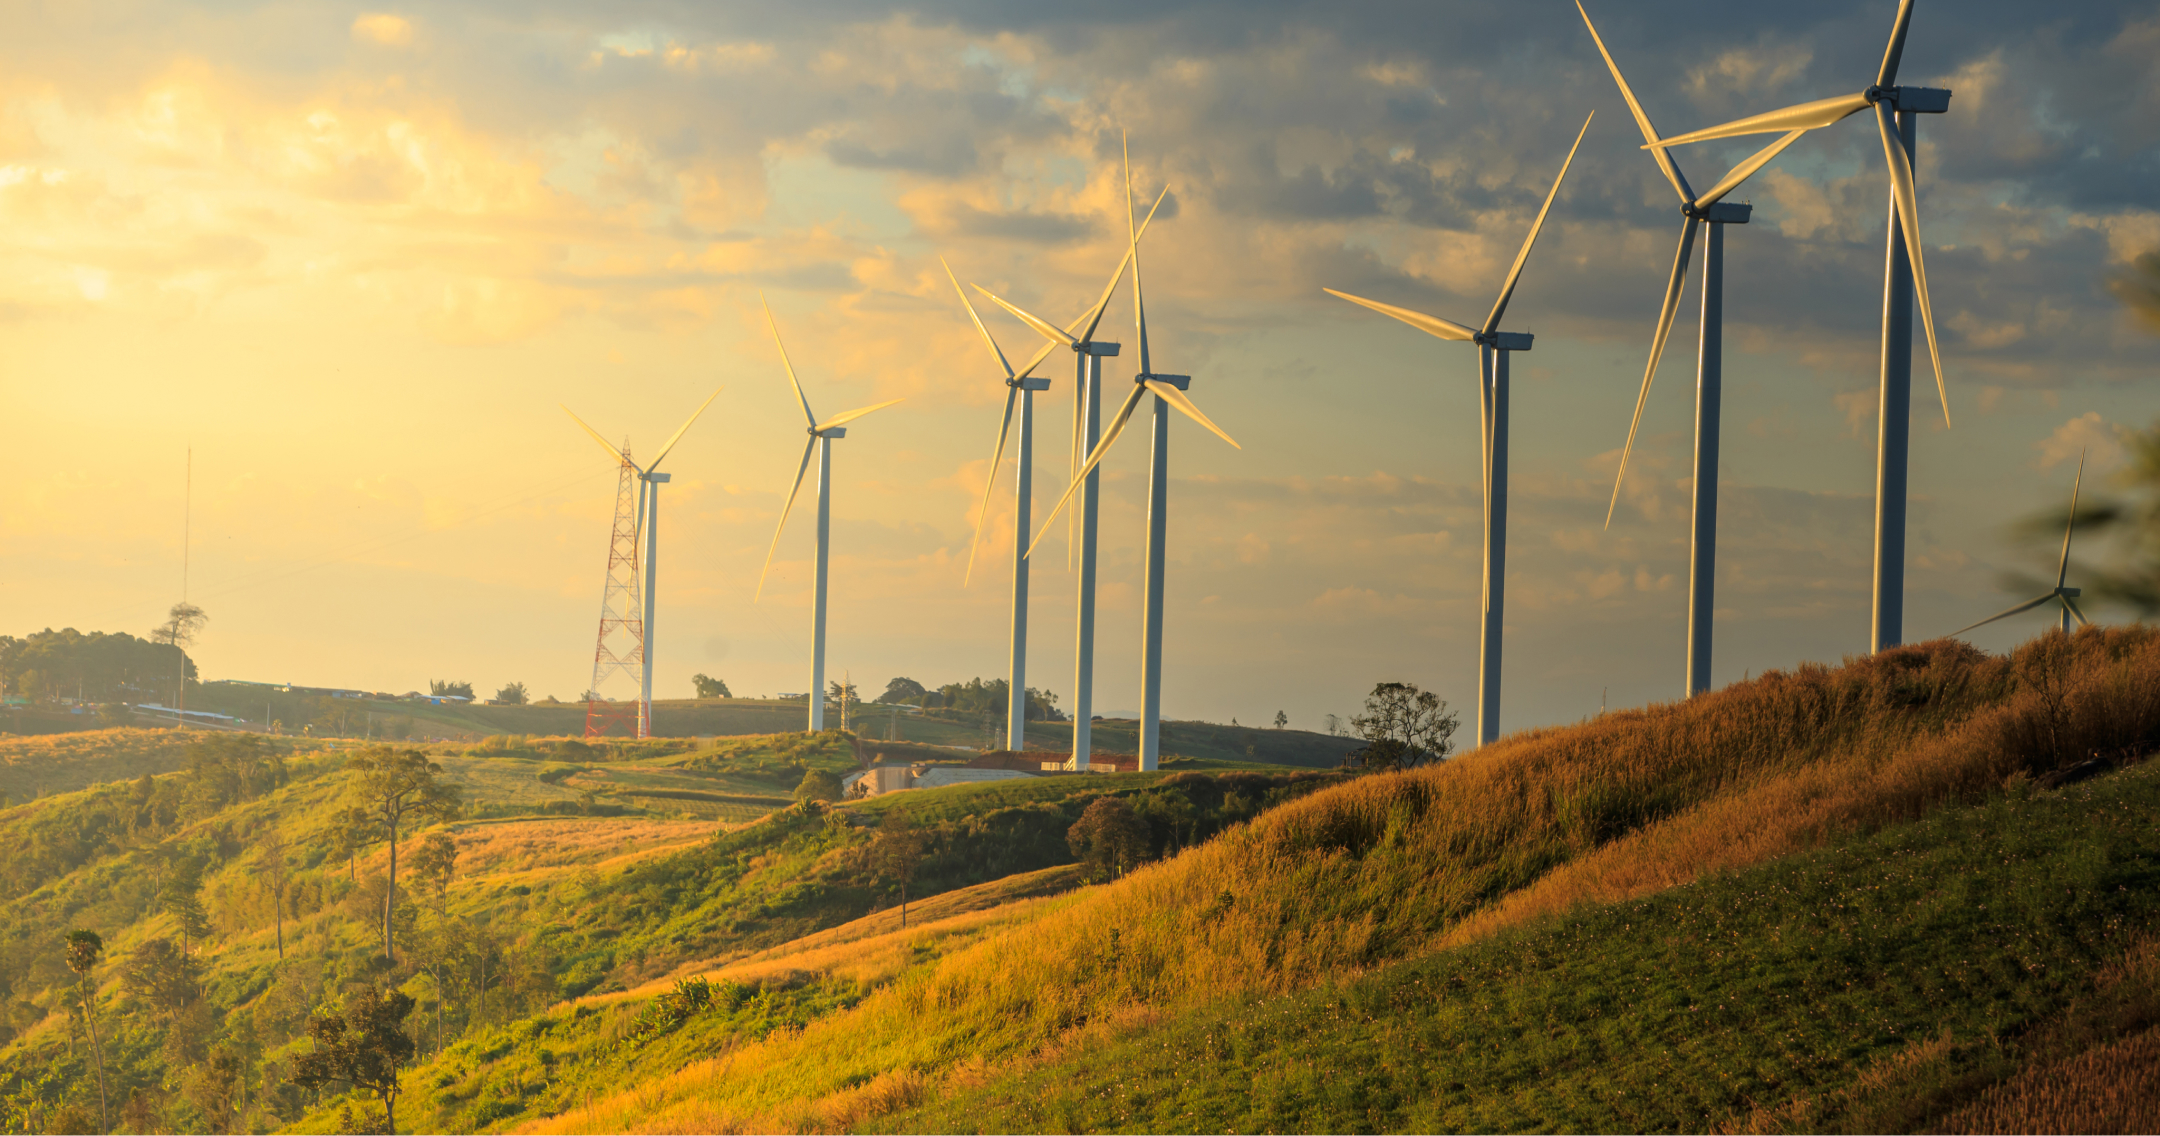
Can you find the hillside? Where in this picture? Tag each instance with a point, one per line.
(1835, 897)
(1388, 870)
(581, 871)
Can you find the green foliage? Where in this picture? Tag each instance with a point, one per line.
(976, 698)
(903, 690)
(1109, 838)
(363, 1046)
(100, 666)
(512, 694)
(449, 688)
(709, 687)
(1402, 727)
(819, 785)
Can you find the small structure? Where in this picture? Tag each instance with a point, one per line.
(880, 779)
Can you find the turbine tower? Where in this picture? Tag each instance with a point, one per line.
(2067, 597)
(1021, 388)
(1904, 279)
(647, 522)
(1089, 353)
(1494, 347)
(822, 435)
(1713, 210)
(1169, 392)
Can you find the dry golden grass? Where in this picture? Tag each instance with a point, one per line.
(1390, 866)
(528, 845)
(2115, 1088)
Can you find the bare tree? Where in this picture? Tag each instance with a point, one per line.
(181, 625)
(270, 860)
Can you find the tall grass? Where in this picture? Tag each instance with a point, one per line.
(1390, 866)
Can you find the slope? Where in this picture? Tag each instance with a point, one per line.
(1394, 867)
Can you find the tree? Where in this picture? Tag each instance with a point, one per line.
(181, 897)
(215, 1087)
(433, 865)
(1109, 838)
(1281, 719)
(270, 862)
(903, 690)
(392, 784)
(84, 948)
(362, 1046)
(163, 977)
(353, 828)
(1334, 725)
(512, 693)
(181, 625)
(1403, 727)
(819, 785)
(442, 688)
(897, 852)
(710, 687)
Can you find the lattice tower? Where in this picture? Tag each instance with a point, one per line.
(619, 659)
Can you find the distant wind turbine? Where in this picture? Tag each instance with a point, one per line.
(1169, 391)
(2067, 597)
(1904, 279)
(1711, 209)
(1089, 352)
(1494, 346)
(821, 440)
(648, 524)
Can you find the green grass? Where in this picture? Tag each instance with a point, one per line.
(1682, 1011)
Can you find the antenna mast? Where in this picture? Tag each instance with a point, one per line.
(620, 653)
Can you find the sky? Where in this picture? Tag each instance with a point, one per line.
(292, 295)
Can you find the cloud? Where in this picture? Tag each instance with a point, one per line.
(2088, 437)
(383, 28)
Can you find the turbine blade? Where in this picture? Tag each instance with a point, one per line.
(977, 317)
(685, 428)
(1178, 398)
(785, 362)
(1110, 437)
(1666, 165)
(1746, 170)
(1901, 181)
(784, 510)
(1430, 325)
(1093, 316)
(997, 459)
(1895, 53)
(613, 450)
(1657, 351)
(2062, 573)
(1132, 252)
(1805, 116)
(1048, 330)
(1041, 355)
(2019, 609)
(1507, 290)
(2074, 610)
(851, 415)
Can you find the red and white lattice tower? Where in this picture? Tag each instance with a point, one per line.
(619, 660)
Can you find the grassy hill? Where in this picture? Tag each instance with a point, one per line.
(1854, 897)
(1513, 840)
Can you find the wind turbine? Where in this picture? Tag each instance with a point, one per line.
(1169, 392)
(822, 435)
(1087, 432)
(648, 524)
(1019, 387)
(1494, 346)
(2067, 597)
(1904, 279)
(1713, 210)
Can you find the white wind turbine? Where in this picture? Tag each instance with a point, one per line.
(2067, 597)
(822, 435)
(1713, 210)
(1494, 347)
(1904, 279)
(1169, 391)
(1089, 353)
(648, 524)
